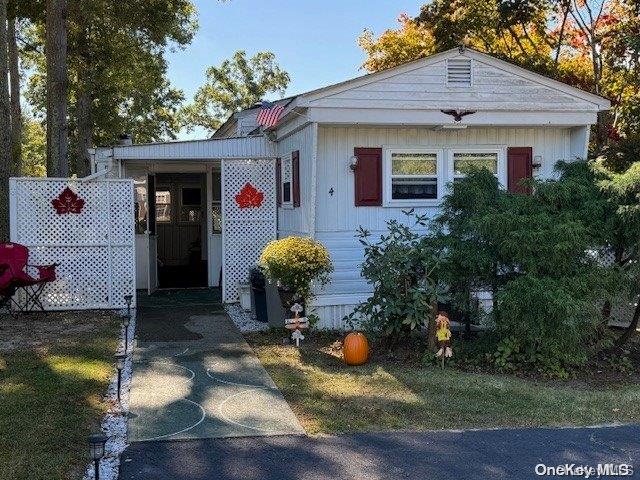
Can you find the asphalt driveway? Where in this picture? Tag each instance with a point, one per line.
(467, 455)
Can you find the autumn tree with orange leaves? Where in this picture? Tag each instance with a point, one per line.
(588, 44)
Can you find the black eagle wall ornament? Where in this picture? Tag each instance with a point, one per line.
(458, 114)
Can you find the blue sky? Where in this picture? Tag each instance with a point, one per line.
(314, 40)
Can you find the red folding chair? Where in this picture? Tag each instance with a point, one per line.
(15, 257)
(6, 290)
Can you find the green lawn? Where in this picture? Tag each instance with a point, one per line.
(54, 371)
(329, 397)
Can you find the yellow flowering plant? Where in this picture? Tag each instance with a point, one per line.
(295, 262)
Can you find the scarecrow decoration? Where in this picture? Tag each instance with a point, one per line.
(297, 323)
(443, 335)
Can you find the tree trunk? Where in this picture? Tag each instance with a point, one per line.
(57, 86)
(565, 14)
(431, 326)
(5, 126)
(84, 133)
(631, 330)
(16, 109)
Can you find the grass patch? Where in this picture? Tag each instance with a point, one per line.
(386, 394)
(54, 372)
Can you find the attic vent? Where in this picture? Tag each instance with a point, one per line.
(459, 72)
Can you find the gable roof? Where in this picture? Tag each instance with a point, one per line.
(559, 96)
(305, 98)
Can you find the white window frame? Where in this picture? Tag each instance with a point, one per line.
(286, 159)
(388, 201)
(501, 151)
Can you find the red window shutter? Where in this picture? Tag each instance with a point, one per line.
(519, 166)
(368, 177)
(279, 181)
(295, 173)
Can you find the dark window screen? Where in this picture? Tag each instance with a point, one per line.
(191, 196)
(286, 192)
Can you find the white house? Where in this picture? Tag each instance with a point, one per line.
(355, 153)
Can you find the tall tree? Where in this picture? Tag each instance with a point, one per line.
(619, 170)
(409, 42)
(5, 122)
(34, 148)
(14, 88)
(57, 88)
(117, 71)
(238, 83)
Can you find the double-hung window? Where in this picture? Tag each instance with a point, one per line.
(465, 160)
(413, 176)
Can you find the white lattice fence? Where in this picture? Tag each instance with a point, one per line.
(94, 246)
(247, 227)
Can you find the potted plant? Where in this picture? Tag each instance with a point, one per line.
(295, 264)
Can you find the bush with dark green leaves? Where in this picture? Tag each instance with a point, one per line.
(401, 266)
(540, 257)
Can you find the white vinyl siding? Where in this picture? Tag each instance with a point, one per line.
(337, 218)
(297, 221)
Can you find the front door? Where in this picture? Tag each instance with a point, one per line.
(152, 280)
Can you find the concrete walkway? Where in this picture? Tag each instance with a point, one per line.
(195, 377)
(468, 455)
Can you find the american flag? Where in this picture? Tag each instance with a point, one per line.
(269, 114)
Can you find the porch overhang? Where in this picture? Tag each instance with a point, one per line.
(254, 147)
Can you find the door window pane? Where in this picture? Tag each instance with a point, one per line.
(163, 205)
(191, 204)
(190, 214)
(191, 196)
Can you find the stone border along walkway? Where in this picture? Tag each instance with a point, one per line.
(245, 321)
(202, 381)
(114, 423)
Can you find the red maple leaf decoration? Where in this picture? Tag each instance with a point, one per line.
(67, 202)
(249, 197)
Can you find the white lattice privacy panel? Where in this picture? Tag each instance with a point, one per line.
(247, 228)
(95, 247)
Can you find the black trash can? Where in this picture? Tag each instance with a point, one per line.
(257, 281)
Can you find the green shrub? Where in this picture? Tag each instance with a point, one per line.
(401, 267)
(295, 262)
(537, 255)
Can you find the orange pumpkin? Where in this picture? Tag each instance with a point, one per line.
(355, 349)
